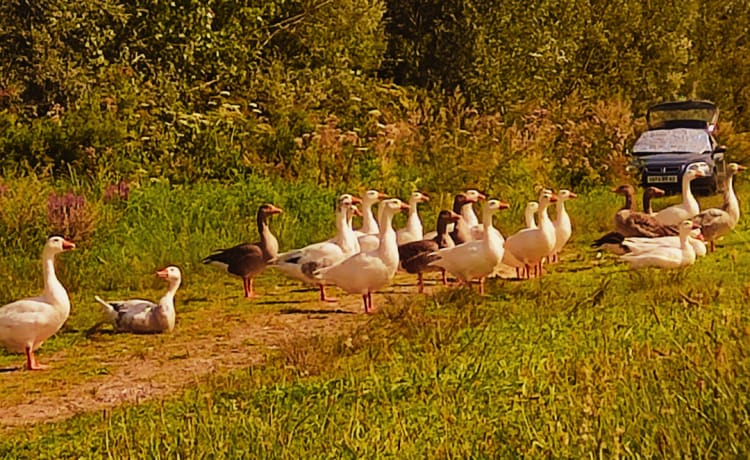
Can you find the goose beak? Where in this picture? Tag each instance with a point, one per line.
(741, 168)
(482, 196)
(503, 205)
(356, 211)
(356, 200)
(276, 210)
(162, 273)
(455, 217)
(425, 197)
(404, 206)
(572, 195)
(553, 198)
(382, 196)
(68, 245)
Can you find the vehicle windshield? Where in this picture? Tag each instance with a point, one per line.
(673, 141)
(686, 114)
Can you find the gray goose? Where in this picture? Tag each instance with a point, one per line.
(249, 259)
(415, 256)
(717, 222)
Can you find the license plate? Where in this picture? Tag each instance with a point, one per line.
(660, 179)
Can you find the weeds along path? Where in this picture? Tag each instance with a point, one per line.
(105, 370)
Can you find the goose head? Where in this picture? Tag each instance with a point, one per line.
(55, 245)
(692, 174)
(625, 189)
(346, 201)
(475, 195)
(734, 168)
(268, 210)
(372, 196)
(418, 197)
(545, 198)
(564, 195)
(493, 206)
(653, 192)
(448, 216)
(170, 273)
(687, 226)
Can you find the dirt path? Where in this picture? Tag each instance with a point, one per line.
(171, 363)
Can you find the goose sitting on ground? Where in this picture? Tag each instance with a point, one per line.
(563, 228)
(301, 263)
(368, 234)
(618, 244)
(717, 222)
(144, 316)
(26, 323)
(530, 245)
(366, 272)
(689, 207)
(475, 259)
(413, 230)
(249, 259)
(415, 256)
(650, 193)
(629, 222)
(664, 256)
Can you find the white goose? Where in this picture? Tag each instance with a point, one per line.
(475, 259)
(470, 217)
(529, 246)
(662, 256)
(638, 244)
(301, 263)
(366, 272)
(413, 230)
(144, 316)
(26, 323)
(563, 228)
(508, 258)
(689, 206)
(717, 222)
(368, 233)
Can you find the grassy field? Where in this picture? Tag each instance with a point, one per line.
(592, 360)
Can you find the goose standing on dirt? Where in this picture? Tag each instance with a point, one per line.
(415, 256)
(475, 259)
(662, 256)
(301, 263)
(413, 230)
(368, 234)
(717, 222)
(689, 206)
(366, 272)
(144, 316)
(26, 323)
(529, 246)
(563, 227)
(249, 259)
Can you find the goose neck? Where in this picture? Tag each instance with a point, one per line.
(54, 292)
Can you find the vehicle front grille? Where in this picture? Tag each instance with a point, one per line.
(657, 170)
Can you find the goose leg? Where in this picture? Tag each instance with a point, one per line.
(249, 292)
(420, 282)
(365, 304)
(31, 363)
(323, 297)
(445, 277)
(711, 245)
(481, 286)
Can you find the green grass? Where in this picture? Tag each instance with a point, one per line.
(592, 360)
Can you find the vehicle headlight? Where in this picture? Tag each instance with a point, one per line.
(701, 166)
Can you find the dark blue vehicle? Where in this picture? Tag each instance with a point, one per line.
(680, 137)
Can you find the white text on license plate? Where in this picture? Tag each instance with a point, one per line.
(661, 179)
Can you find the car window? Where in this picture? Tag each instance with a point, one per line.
(673, 140)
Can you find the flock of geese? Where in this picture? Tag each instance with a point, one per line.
(364, 260)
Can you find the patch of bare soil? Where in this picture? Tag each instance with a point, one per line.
(182, 359)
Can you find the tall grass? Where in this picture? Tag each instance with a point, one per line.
(592, 360)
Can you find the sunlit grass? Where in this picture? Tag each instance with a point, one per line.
(593, 359)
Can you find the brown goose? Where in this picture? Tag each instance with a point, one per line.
(648, 194)
(461, 232)
(249, 259)
(415, 256)
(629, 222)
(717, 222)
